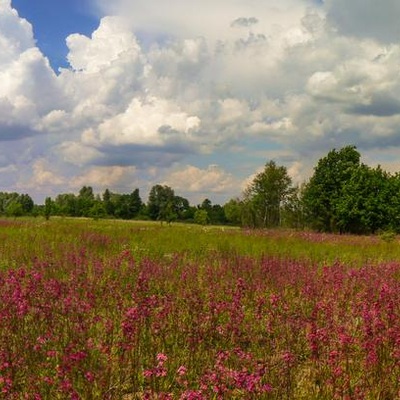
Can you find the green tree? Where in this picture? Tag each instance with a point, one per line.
(66, 204)
(108, 204)
(266, 194)
(325, 188)
(293, 210)
(201, 217)
(369, 202)
(160, 202)
(48, 207)
(233, 210)
(97, 210)
(135, 203)
(26, 202)
(14, 209)
(85, 201)
(182, 208)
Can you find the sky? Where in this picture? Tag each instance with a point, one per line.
(196, 95)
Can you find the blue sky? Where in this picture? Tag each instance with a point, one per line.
(54, 20)
(197, 95)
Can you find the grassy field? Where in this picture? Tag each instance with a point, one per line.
(131, 310)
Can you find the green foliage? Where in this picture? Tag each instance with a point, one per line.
(201, 217)
(48, 208)
(14, 203)
(160, 200)
(325, 188)
(164, 205)
(108, 204)
(26, 203)
(215, 212)
(85, 201)
(346, 196)
(124, 206)
(265, 196)
(293, 211)
(233, 211)
(14, 209)
(66, 204)
(365, 205)
(97, 210)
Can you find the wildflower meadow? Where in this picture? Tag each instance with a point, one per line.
(131, 310)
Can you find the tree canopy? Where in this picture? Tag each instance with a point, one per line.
(266, 194)
(343, 195)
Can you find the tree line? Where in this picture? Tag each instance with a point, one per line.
(163, 205)
(343, 195)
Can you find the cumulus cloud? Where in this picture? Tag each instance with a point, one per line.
(192, 180)
(153, 123)
(109, 43)
(43, 175)
(207, 18)
(16, 34)
(159, 88)
(29, 89)
(103, 177)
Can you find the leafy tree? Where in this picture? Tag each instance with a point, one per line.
(216, 214)
(108, 204)
(206, 205)
(369, 202)
(66, 204)
(126, 206)
(97, 210)
(325, 188)
(201, 217)
(26, 202)
(266, 194)
(8, 202)
(160, 203)
(85, 201)
(293, 210)
(135, 203)
(233, 210)
(14, 209)
(182, 208)
(6, 199)
(48, 207)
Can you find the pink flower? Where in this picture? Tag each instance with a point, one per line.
(148, 373)
(89, 376)
(181, 370)
(161, 357)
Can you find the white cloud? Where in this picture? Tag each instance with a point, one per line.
(191, 179)
(29, 89)
(205, 18)
(111, 41)
(154, 122)
(15, 34)
(105, 177)
(77, 153)
(43, 175)
(162, 87)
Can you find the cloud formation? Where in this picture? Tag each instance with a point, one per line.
(165, 93)
(366, 19)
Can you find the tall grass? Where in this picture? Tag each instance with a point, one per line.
(120, 310)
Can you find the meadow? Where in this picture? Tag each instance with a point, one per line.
(137, 310)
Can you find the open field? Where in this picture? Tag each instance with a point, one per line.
(131, 310)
